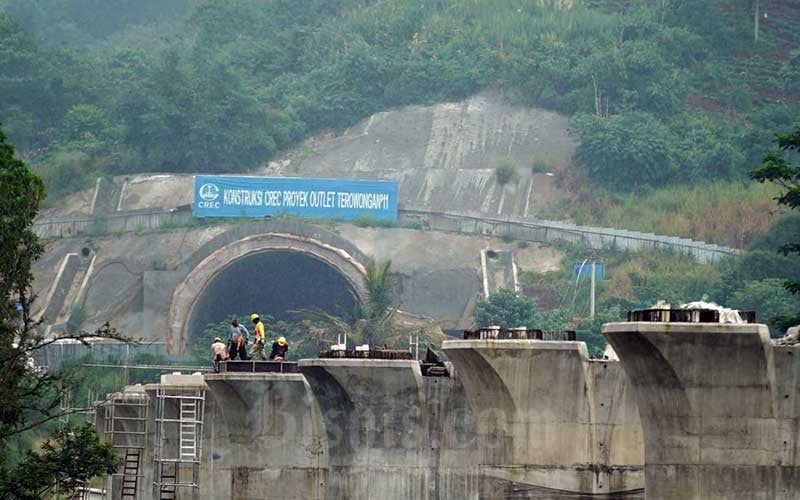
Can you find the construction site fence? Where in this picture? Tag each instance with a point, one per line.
(517, 228)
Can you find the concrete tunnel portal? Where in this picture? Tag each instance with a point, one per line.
(274, 283)
(269, 274)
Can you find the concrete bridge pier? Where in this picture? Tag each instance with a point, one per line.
(392, 434)
(720, 409)
(551, 422)
(264, 438)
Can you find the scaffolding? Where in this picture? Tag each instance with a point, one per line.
(126, 415)
(178, 442)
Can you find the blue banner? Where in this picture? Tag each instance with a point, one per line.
(240, 196)
(579, 272)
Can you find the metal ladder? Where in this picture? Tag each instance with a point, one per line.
(130, 477)
(188, 430)
(168, 491)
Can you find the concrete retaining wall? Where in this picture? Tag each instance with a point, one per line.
(519, 228)
(111, 223)
(720, 409)
(551, 231)
(551, 423)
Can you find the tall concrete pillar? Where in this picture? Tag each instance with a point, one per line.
(719, 407)
(550, 421)
(263, 438)
(392, 435)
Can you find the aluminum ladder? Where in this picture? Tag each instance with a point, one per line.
(188, 431)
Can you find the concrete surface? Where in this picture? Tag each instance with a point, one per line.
(392, 434)
(443, 156)
(720, 409)
(135, 275)
(551, 422)
(264, 439)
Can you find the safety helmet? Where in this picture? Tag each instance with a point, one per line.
(253, 316)
(217, 339)
(282, 341)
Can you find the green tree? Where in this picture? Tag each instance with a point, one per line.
(624, 151)
(778, 168)
(66, 462)
(30, 397)
(380, 290)
(769, 298)
(506, 309)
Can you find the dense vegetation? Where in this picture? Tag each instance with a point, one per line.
(114, 86)
(31, 396)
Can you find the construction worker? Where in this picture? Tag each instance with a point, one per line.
(237, 341)
(218, 352)
(258, 346)
(279, 349)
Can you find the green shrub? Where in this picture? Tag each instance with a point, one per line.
(540, 167)
(505, 308)
(505, 171)
(507, 237)
(368, 221)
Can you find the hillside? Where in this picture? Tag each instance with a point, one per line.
(660, 94)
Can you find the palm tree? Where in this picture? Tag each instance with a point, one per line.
(380, 292)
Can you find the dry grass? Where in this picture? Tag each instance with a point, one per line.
(726, 213)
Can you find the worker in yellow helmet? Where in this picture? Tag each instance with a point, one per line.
(258, 346)
(279, 349)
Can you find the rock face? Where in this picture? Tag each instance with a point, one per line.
(720, 409)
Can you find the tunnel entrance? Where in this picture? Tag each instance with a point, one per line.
(273, 282)
(269, 273)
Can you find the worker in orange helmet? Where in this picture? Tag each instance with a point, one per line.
(258, 346)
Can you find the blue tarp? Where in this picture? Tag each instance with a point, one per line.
(241, 196)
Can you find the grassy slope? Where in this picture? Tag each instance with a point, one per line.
(725, 213)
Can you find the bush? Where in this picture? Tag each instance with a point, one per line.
(507, 237)
(65, 173)
(540, 167)
(506, 309)
(505, 171)
(769, 299)
(368, 221)
(624, 151)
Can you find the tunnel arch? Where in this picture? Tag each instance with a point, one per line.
(323, 258)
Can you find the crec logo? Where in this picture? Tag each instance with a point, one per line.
(209, 192)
